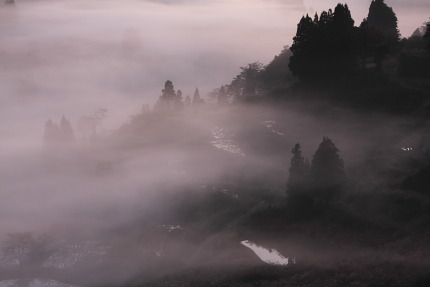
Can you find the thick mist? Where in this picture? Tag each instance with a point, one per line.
(148, 192)
(73, 57)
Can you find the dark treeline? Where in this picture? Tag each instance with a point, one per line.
(319, 183)
(367, 66)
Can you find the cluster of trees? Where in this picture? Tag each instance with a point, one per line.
(330, 44)
(222, 95)
(414, 60)
(321, 181)
(323, 45)
(88, 125)
(246, 83)
(58, 134)
(363, 66)
(222, 99)
(256, 80)
(63, 134)
(171, 101)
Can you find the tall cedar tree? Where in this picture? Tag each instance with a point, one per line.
(196, 98)
(298, 173)
(327, 172)
(168, 93)
(169, 99)
(324, 46)
(343, 51)
(222, 97)
(246, 83)
(382, 18)
(304, 48)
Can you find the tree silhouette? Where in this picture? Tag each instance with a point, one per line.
(177, 101)
(363, 47)
(298, 180)
(169, 99)
(327, 172)
(246, 83)
(58, 135)
(382, 31)
(382, 18)
(324, 46)
(168, 93)
(222, 97)
(250, 74)
(342, 49)
(414, 61)
(304, 48)
(196, 98)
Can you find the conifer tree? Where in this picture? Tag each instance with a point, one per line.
(342, 52)
(298, 172)
(382, 18)
(168, 93)
(251, 73)
(222, 97)
(196, 98)
(324, 46)
(168, 100)
(178, 104)
(303, 48)
(363, 43)
(327, 172)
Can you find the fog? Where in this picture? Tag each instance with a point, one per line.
(72, 57)
(140, 170)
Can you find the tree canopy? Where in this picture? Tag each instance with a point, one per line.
(382, 18)
(298, 172)
(324, 46)
(170, 100)
(327, 171)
